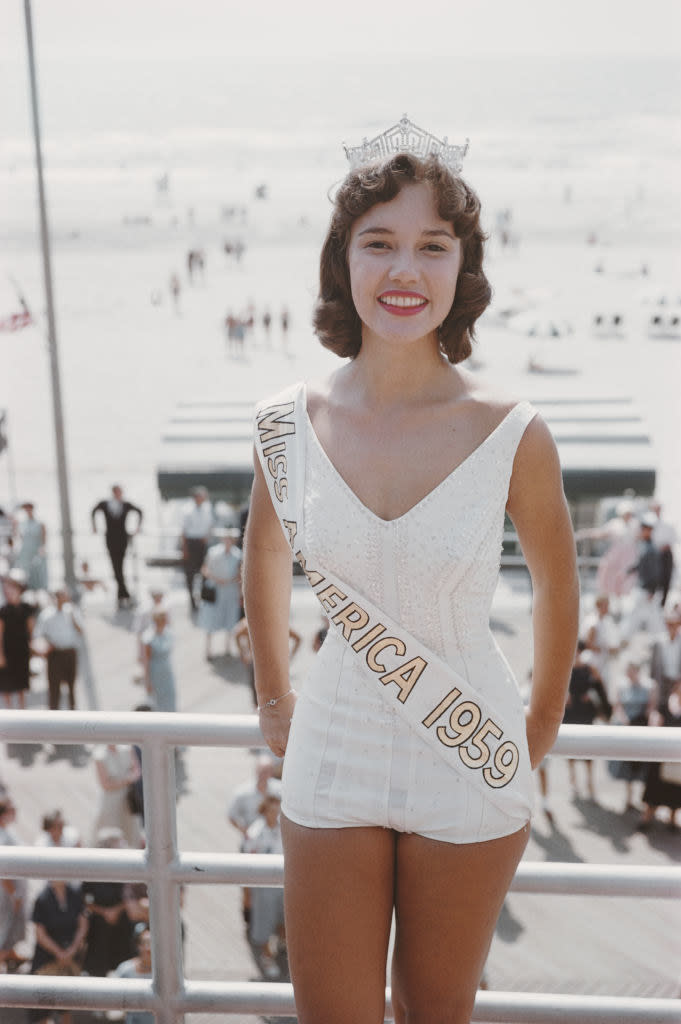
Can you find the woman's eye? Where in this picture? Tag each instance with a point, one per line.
(434, 247)
(377, 245)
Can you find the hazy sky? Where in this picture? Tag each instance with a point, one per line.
(361, 27)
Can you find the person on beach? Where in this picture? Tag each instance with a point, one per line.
(116, 511)
(407, 781)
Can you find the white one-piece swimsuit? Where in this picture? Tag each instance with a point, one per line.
(352, 759)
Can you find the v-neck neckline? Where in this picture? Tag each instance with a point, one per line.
(426, 497)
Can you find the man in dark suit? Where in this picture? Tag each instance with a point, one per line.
(116, 511)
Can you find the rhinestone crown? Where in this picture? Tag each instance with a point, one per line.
(406, 137)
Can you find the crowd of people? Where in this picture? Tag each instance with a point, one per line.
(627, 671)
(627, 668)
(95, 929)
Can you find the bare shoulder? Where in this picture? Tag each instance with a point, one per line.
(487, 406)
(536, 478)
(323, 392)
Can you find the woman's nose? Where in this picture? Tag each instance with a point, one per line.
(403, 267)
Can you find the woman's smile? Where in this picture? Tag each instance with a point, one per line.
(403, 303)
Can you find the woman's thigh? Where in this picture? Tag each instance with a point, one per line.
(338, 897)
(447, 900)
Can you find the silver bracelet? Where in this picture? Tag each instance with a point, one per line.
(275, 700)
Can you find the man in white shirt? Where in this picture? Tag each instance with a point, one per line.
(196, 529)
(60, 626)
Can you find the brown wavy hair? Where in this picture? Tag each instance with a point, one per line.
(335, 319)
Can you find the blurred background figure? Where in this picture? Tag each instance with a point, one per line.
(116, 511)
(635, 700)
(266, 930)
(620, 534)
(55, 831)
(665, 538)
(117, 769)
(138, 966)
(221, 589)
(60, 627)
(110, 936)
(586, 702)
(665, 655)
(13, 894)
(197, 525)
(601, 637)
(30, 541)
(645, 612)
(663, 781)
(61, 927)
(17, 619)
(157, 647)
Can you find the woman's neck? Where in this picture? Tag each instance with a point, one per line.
(383, 374)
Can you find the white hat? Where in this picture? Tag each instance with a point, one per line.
(18, 576)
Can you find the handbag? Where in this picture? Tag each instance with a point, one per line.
(208, 592)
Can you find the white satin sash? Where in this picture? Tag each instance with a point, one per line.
(442, 707)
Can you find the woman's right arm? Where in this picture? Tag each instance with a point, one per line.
(267, 598)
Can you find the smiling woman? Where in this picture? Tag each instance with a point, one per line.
(455, 209)
(407, 782)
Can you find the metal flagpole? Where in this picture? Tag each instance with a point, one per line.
(62, 474)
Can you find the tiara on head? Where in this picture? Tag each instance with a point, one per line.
(406, 137)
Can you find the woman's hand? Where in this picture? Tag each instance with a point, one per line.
(541, 735)
(275, 722)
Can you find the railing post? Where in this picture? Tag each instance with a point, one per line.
(158, 767)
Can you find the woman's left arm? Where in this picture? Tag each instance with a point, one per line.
(539, 511)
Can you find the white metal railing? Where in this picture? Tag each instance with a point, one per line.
(164, 868)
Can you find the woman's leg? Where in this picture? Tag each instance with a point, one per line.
(338, 897)
(447, 900)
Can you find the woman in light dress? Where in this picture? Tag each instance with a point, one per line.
(31, 537)
(157, 648)
(222, 568)
(117, 768)
(409, 465)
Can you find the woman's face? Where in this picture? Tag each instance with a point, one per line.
(403, 261)
(12, 592)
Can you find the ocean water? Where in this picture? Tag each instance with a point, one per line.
(573, 147)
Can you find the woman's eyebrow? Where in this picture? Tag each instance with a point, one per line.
(430, 232)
